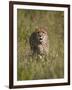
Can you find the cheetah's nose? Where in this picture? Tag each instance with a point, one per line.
(40, 38)
(40, 35)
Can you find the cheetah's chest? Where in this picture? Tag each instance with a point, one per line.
(42, 49)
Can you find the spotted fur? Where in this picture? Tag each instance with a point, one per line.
(39, 42)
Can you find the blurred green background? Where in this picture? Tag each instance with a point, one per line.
(29, 68)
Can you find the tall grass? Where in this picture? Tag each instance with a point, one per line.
(33, 68)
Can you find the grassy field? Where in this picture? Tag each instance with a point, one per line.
(51, 67)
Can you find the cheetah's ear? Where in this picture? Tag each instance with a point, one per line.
(46, 29)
